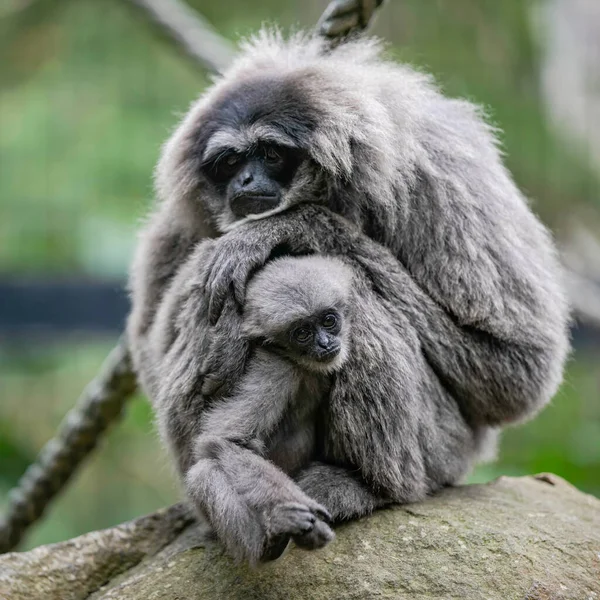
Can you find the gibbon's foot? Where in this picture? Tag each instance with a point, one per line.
(318, 537)
(298, 521)
(275, 548)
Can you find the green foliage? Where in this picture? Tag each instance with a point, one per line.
(88, 94)
(79, 140)
(484, 50)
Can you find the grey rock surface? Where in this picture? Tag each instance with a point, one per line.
(529, 538)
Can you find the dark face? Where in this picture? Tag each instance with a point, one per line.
(253, 182)
(315, 340)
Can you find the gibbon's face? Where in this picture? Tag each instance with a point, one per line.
(300, 307)
(315, 343)
(253, 181)
(252, 149)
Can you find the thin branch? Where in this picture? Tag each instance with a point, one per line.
(196, 38)
(344, 17)
(189, 31)
(99, 406)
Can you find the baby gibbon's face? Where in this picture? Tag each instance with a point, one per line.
(301, 308)
(315, 343)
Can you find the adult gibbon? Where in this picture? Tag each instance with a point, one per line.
(303, 149)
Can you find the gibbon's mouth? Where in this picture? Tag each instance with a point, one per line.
(328, 356)
(250, 204)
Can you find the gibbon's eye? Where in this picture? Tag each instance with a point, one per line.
(302, 335)
(231, 160)
(273, 156)
(226, 166)
(329, 321)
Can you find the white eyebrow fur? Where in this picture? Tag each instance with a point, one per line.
(222, 140)
(242, 139)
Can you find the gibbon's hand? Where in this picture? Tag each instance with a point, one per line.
(237, 255)
(307, 525)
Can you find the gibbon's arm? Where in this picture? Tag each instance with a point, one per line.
(165, 243)
(501, 364)
(250, 416)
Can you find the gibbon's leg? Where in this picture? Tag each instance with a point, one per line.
(253, 505)
(340, 490)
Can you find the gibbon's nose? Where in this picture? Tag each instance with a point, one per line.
(323, 340)
(246, 178)
(327, 346)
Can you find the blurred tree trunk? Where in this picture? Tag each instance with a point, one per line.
(571, 69)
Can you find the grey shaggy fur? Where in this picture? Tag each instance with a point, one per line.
(460, 324)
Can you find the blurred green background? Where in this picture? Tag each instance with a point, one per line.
(87, 94)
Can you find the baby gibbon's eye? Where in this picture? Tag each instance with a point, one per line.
(329, 321)
(302, 334)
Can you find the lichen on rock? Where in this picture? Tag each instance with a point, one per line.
(529, 538)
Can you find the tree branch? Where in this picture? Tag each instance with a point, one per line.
(181, 25)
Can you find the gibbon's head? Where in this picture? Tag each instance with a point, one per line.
(291, 122)
(299, 308)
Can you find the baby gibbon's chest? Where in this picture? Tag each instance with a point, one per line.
(293, 444)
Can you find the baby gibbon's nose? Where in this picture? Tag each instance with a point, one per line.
(323, 340)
